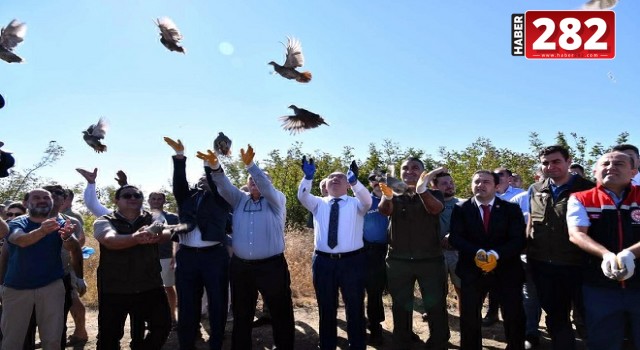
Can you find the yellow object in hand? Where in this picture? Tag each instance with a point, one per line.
(209, 157)
(386, 190)
(247, 157)
(177, 146)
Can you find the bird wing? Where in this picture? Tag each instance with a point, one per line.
(302, 120)
(294, 57)
(169, 30)
(99, 130)
(13, 34)
(600, 4)
(398, 186)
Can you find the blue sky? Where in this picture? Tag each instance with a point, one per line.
(422, 73)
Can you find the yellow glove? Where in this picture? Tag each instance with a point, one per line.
(491, 264)
(386, 190)
(247, 157)
(481, 258)
(177, 146)
(210, 158)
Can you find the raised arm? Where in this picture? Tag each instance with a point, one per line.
(90, 196)
(218, 180)
(305, 197)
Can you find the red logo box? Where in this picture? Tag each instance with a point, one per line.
(570, 34)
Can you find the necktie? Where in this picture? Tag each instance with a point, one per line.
(333, 224)
(486, 215)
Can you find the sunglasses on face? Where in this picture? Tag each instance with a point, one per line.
(131, 195)
(12, 214)
(59, 193)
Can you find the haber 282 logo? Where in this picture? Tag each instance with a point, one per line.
(563, 34)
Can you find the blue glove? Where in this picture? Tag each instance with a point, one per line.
(352, 174)
(308, 168)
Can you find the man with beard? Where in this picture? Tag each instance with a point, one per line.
(34, 273)
(489, 234)
(444, 183)
(415, 254)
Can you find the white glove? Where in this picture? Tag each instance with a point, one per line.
(626, 265)
(608, 264)
(494, 253)
(80, 285)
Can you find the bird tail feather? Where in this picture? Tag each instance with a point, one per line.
(304, 77)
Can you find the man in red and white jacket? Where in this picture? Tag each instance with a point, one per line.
(605, 222)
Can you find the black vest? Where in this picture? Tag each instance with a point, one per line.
(131, 270)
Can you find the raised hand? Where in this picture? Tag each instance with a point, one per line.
(247, 157)
(121, 178)
(89, 176)
(352, 173)
(177, 146)
(387, 192)
(209, 157)
(308, 168)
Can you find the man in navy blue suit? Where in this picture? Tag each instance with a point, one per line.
(490, 235)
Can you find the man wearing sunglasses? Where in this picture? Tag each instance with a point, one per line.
(129, 281)
(34, 272)
(258, 262)
(202, 260)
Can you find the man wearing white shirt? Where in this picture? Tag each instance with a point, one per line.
(339, 260)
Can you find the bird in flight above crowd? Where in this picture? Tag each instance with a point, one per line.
(95, 133)
(169, 34)
(600, 4)
(222, 145)
(301, 120)
(10, 37)
(293, 59)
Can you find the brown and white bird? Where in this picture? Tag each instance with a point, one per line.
(95, 133)
(169, 34)
(293, 59)
(10, 37)
(301, 120)
(600, 4)
(222, 145)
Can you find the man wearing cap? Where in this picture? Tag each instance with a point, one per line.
(202, 259)
(339, 260)
(258, 262)
(415, 254)
(129, 281)
(34, 273)
(375, 244)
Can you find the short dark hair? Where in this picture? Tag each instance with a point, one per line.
(158, 193)
(576, 165)
(553, 149)
(52, 188)
(69, 193)
(439, 175)
(16, 205)
(119, 190)
(414, 159)
(495, 176)
(626, 147)
(499, 169)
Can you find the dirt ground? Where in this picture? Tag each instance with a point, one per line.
(307, 333)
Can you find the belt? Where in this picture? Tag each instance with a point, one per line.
(201, 249)
(259, 261)
(340, 255)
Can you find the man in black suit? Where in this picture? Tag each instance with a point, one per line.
(490, 235)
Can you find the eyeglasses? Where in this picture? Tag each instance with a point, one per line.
(251, 206)
(59, 193)
(12, 214)
(131, 195)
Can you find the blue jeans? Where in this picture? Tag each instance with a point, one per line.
(607, 309)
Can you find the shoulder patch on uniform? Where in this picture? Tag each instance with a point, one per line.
(635, 215)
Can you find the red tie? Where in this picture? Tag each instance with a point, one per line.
(486, 215)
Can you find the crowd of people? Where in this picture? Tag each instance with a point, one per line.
(566, 245)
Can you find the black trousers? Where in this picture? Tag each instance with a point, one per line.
(151, 307)
(508, 294)
(271, 277)
(376, 282)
